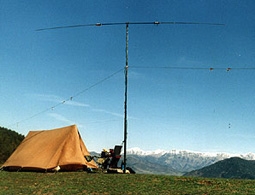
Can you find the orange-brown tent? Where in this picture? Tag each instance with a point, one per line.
(45, 150)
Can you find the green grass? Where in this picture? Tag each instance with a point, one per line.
(98, 183)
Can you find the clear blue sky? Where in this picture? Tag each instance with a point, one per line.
(183, 107)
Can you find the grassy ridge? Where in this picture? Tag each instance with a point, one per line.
(84, 183)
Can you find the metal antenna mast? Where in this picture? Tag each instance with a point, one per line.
(126, 66)
(125, 103)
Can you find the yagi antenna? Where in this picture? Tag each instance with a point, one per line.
(126, 66)
(124, 23)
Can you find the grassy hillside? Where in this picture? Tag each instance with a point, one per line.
(234, 167)
(98, 183)
(9, 140)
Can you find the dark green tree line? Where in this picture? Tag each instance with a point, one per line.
(9, 141)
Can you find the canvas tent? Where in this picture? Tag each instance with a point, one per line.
(48, 149)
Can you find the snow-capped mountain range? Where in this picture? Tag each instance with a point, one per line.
(174, 162)
(159, 152)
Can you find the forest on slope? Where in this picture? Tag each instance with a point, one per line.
(9, 141)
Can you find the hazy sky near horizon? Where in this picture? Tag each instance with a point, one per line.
(56, 78)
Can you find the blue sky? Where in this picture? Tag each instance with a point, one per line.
(56, 78)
